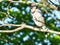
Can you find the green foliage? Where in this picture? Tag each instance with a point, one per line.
(22, 14)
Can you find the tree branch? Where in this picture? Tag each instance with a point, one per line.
(29, 2)
(53, 3)
(22, 26)
(11, 31)
(3, 13)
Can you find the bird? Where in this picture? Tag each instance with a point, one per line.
(37, 16)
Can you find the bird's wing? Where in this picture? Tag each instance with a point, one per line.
(38, 16)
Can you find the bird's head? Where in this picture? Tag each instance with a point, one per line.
(34, 5)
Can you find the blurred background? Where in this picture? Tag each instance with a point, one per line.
(18, 12)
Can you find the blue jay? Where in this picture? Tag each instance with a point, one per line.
(37, 16)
